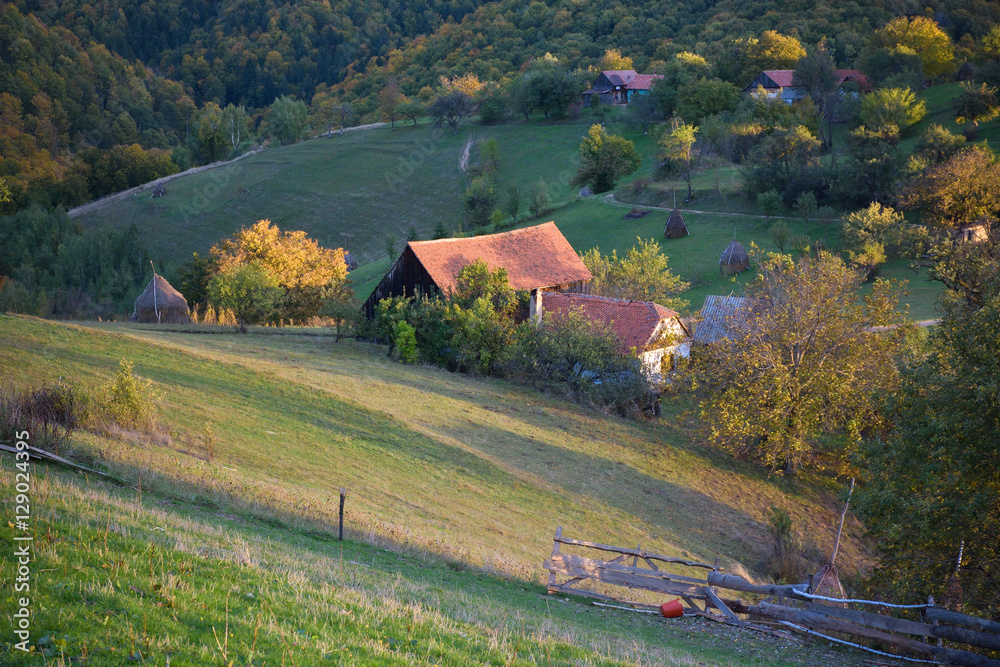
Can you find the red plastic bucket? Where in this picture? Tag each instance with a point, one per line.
(672, 609)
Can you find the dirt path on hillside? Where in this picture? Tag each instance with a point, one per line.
(610, 199)
(463, 159)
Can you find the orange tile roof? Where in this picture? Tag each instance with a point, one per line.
(786, 77)
(535, 257)
(634, 322)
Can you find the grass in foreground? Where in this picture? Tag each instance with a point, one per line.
(122, 577)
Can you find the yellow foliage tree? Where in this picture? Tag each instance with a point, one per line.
(309, 272)
(614, 60)
(922, 36)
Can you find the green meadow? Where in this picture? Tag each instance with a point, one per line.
(455, 486)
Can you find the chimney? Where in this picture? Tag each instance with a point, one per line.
(535, 306)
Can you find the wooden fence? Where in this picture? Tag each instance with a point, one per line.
(799, 610)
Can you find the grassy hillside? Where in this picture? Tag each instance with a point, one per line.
(349, 190)
(475, 473)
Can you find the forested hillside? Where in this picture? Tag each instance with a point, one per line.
(198, 79)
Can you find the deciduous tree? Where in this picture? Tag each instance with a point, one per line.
(641, 275)
(452, 108)
(921, 36)
(962, 190)
(250, 291)
(677, 147)
(605, 158)
(804, 359)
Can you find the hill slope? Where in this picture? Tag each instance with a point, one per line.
(473, 471)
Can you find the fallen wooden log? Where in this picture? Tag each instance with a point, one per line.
(624, 575)
(631, 552)
(820, 621)
(42, 455)
(945, 616)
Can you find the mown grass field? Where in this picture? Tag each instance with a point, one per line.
(448, 472)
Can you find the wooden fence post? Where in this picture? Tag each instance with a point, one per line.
(343, 496)
(555, 552)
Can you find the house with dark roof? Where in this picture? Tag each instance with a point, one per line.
(619, 86)
(536, 258)
(646, 329)
(781, 83)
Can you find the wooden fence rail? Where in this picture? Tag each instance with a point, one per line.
(566, 571)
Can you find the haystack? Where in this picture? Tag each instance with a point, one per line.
(160, 303)
(675, 227)
(159, 191)
(584, 192)
(734, 259)
(350, 261)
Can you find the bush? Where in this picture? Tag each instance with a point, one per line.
(128, 401)
(48, 413)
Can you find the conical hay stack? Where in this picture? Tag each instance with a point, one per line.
(160, 303)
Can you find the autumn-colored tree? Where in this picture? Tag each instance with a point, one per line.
(390, 99)
(299, 265)
(869, 232)
(962, 190)
(641, 275)
(605, 158)
(921, 36)
(809, 355)
(888, 108)
(614, 60)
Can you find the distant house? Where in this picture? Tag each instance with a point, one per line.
(781, 83)
(619, 86)
(643, 328)
(721, 316)
(537, 259)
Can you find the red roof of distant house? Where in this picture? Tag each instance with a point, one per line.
(534, 257)
(631, 79)
(634, 322)
(785, 77)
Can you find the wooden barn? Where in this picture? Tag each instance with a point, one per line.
(646, 329)
(536, 258)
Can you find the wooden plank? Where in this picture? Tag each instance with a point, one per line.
(615, 565)
(621, 575)
(588, 565)
(691, 603)
(598, 596)
(815, 621)
(720, 605)
(945, 616)
(735, 583)
(630, 552)
(42, 455)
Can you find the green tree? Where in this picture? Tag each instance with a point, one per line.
(816, 75)
(605, 158)
(540, 201)
(412, 110)
(805, 204)
(452, 107)
(249, 291)
(769, 203)
(701, 98)
(933, 481)
(782, 161)
(749, 56)
(287, 120)
(888, 108)
(641, 275)
(681, 69)
(976, 104)
(614, 60)
(872, 165)
(643, 112)
(801, 362)
(235, 125)
(868, 233)
(921, 36)
(480, 201)
(212, 138)
(677, 148)
(937, 144)
(512, 203)
(990, 44)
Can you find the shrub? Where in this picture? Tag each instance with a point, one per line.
(48, 413)
(128, 401)
(405, 339)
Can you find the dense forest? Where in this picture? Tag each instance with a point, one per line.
(150, 77)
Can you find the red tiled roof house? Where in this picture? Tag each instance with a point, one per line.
(781, 83)
(646, 329)
(536, 258)
(619, 86)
